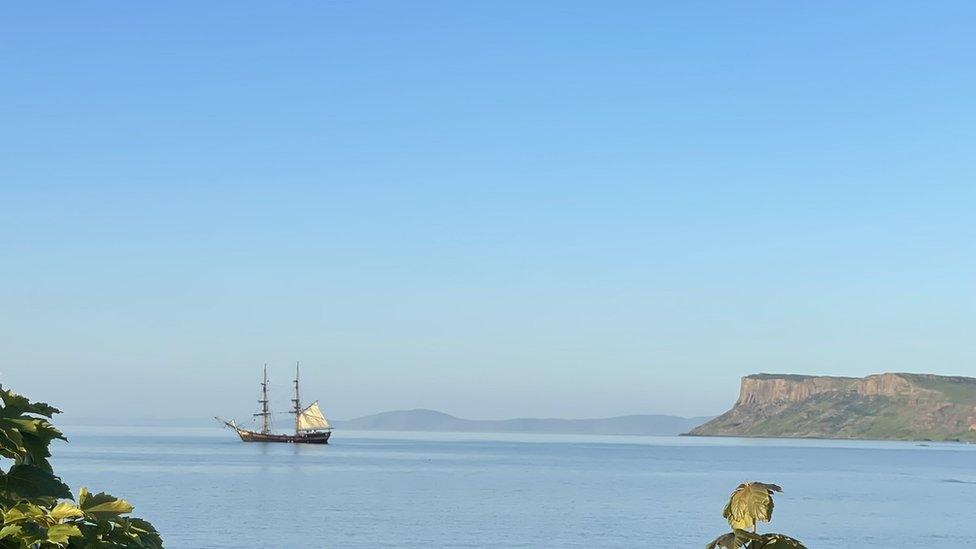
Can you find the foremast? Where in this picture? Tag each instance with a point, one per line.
(265, 412)
(297, 401)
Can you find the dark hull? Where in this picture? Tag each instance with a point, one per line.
(317, 437)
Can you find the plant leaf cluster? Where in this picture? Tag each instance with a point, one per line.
(33, 510)
(749, 504)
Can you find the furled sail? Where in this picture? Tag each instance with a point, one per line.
(311, 418)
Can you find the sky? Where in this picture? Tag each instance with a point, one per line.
(494, 209)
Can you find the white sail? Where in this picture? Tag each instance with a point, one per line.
(311, 418)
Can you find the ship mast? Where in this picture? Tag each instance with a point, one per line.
(297, 401)
(265, 413)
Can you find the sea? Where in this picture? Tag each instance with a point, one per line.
(203, 488)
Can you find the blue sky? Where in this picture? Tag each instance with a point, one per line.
(494, 209)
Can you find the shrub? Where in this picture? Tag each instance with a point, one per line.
(37, 509)
(749, 504)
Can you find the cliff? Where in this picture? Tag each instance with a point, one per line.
(883, 406)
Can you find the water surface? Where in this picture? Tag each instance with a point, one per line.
(204, 489)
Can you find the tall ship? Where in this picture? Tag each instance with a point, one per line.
(311, 426)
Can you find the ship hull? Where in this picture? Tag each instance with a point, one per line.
(315, 437)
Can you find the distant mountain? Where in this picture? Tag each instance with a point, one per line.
(881, 406)
(431, 420)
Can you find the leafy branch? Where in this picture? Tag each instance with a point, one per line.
(33, 510)
(749, 504)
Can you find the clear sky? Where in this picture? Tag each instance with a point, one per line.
(492, 209)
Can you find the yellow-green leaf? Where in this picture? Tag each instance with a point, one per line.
(102, 505)
(22, 512)
(750, 503)
(9, 531)
(59, 533)
(64, 511)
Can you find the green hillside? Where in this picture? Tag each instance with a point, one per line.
(884, 406)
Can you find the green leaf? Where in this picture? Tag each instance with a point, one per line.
(24, 424)
(102, 505)
(11, 530)
(26, 534)
(25, 438)
(750, 503)
(22, 512)
(732, 540)
(59, 533)
(119, 532)
(64, 511)
(776, 541)
(14, 405)
(37, 443)
(28, 482)
(10, 439)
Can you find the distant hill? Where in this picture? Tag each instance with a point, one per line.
(431, 420)
(882, 406)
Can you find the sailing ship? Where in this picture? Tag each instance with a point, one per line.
(311, 427)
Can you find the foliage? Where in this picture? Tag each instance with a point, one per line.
(733, 540)
(31, 507)
(749, 504)
(749, 540)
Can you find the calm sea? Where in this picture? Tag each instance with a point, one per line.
(205, 489)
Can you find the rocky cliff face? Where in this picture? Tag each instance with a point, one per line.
(893, 405)
(770, 389)
(765, 389)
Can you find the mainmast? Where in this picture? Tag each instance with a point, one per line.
(265, 413)
(297, 401)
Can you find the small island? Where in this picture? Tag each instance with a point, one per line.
(891, 406)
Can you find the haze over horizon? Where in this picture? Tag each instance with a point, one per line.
(500, 210)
